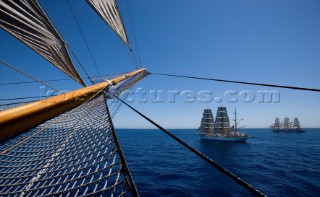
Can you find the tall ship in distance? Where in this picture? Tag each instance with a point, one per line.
(220, 129)
(286, 125)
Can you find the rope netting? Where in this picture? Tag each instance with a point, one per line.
(73, 154)
(121, 87)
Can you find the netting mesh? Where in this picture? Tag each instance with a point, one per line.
(126, 84)
(73, 154)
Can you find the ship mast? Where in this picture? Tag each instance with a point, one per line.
(235, 120)
(222, 121)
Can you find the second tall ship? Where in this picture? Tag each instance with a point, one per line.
(220, 128)
(286, 125)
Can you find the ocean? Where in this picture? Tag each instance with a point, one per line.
(278, 164)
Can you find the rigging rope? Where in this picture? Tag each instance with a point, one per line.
(37, 80)
(83, 37)
(133, 59)
(125, 166)
(117, 104)
(239, 82)
(211, 162)
(15, 103)
(80, 64)
(25, 82)
(21, 98)
(54, 80)
(134, 35)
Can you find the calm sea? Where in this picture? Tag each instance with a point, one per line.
(278, 164)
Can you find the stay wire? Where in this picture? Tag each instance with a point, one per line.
(26, 82)
(134, 34)
(88, 76)
(54, 80)
(211, 162)
(83, 37)
(239, 82)
(125, 167)
(118, 105)
(133, 59)
(33, 78)
(22, 98)
(16, 103)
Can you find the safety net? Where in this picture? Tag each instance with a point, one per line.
(73, 154)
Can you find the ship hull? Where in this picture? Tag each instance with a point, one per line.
(223, 138)
(289, 130)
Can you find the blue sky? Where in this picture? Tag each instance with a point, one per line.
(275, 41)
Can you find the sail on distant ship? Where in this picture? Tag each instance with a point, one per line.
(207, 122)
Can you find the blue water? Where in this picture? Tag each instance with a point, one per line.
(278, 164)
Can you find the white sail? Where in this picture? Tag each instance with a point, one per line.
(296, 125)
(276, 124)
(25, 20)
(291, 125)
(108, 10)
(286, 123)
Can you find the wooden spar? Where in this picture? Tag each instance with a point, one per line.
(16, 120)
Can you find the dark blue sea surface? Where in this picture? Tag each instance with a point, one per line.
(278, 164)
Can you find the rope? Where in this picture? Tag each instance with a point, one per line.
(21, 98)
(133, 59)
(211, 162)
(133, 186)
(25, 82)
(239, 82)
(37, 80)
(15, 103)
(54, 80)
(117, 105)
(83, 37)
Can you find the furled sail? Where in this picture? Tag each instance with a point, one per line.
(25, 20)
(109, 12)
